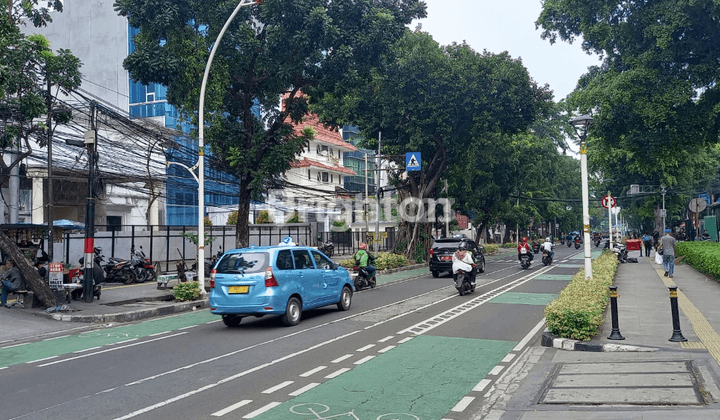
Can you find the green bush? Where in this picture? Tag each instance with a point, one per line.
(263, 217)
(702, 256)
(340, 226)
(384, 261)
(186, 291)
(295, 218)
(579, 309)
(490, 248)
(510, 245)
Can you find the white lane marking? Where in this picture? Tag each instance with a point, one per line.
(187, 328)
(108, 350)
(363, 360)
(496, 370)
(278, 386)
(386, 349)
(55, 338)
(307, 387)
(41, 360)
(312, 371)
(229, 378)
(4, 367)
(231, 408)
(261, 410)
(508, 358)
(405, 340)
(337, 373)
(462, 404)
(388, 338)
(481, 385)
(341, 358)
(529, 336)
(14, 345)
(439, 319)
(369, 346)
(90, 349)
(158, 333)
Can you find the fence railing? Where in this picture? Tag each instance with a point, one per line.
(346, 243)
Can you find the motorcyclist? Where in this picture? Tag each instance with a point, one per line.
(366, 260)
(548, 246)
(521, 245)
(569, 237)
(462, 258)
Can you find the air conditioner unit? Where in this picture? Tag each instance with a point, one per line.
(634, 189)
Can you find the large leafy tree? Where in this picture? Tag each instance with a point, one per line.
(655, 97)
(31, 76)
(280, 47)
(442, 102)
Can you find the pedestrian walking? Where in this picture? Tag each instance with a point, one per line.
(667, 247)
(656, 238)
(647, 243)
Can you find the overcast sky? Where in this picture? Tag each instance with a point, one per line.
(508, 25)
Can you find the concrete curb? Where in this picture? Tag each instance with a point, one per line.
(548, 340)
(130, 316)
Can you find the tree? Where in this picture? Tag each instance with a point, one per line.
(282, 47)
(29, 70)
(655, 97)
(441, 102)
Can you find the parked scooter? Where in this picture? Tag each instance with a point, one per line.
(209, 263)
(116, 269)
(621, 251)
(362, 279)
(98, 278)
(327, 248)
(144, 270)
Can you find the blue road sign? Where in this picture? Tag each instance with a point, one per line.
(412, 161)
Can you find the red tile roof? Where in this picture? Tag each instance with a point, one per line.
(305, 163)
(323, 133)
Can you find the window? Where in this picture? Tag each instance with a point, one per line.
(114, 223)
(284, 260)
(302, 259)
(308, 174)
(246, 262)
(321, 261)
(324, 177)
(332, 178)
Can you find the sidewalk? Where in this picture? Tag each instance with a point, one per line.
(663, 380)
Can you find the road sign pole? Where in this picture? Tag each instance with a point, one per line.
(609, 207)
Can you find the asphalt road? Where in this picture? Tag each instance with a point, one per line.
(409, 349)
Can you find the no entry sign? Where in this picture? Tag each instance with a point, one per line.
(608, 201)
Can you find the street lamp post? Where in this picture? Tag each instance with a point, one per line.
(200, 165)
(581, 125)
(663, 191)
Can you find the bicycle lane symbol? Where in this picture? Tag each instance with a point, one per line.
(317, 409)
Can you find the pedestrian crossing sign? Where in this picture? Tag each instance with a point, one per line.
(412, 161)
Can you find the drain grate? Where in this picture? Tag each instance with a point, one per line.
(623, 383)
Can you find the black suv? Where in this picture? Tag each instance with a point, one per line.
(443, 249)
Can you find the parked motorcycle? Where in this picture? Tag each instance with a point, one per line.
(327, 248)
(144, 270)
(362, 279)
(621, 251)
(209, 263)
(98, 278)
(116, 269)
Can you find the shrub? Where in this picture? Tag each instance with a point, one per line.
(579, 309)
(340, 226)
(295, 218)
(703, 256)
(186, 291)
(384, 261)
(232, 218)
(208, 222)
(263, 217)
(490, 248)
(510, 245)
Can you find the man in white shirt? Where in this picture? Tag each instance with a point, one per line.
(548, 246)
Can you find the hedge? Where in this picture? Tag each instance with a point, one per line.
(579, 310)
(703, 256)
(385, 260)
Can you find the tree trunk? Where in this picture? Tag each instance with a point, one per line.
(242, 233)
(30, 274)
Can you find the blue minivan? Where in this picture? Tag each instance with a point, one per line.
(276, 280)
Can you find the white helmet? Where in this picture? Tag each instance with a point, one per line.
(547, 239)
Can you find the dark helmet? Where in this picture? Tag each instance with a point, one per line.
(462, 246)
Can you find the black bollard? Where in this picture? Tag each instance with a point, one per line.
(677, 334)
(615, 334)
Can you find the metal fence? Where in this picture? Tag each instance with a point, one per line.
(346, 243)
(166, 245)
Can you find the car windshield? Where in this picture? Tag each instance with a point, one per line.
(446, 244)
(246, 262)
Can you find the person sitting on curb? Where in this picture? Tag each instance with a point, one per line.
(12, 281)
(364, 259)
(667, 246)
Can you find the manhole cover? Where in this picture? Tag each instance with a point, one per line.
(633, 383)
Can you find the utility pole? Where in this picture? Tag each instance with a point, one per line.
(90, 141)
(447, 213)
(51, 215)
(610, 232)
(365, 201)
(377, 195)
(663, 191)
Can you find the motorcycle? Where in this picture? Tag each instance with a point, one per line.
(209, 263)
(562, 241)
(577, 243)
(525, 261)
(116, 269)
(362, 279)
(569, 242)
(621, 252)
(546, 257)
(98, 278)
(536, 247)
(327, 248)
(597, 242)
(144, 270)
(463, 282)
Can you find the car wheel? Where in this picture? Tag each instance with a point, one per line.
(345, 299)
(481, 266)
(292, 312)
(231, 321)
(435, 273)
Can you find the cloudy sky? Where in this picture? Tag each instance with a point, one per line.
(508, 25)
